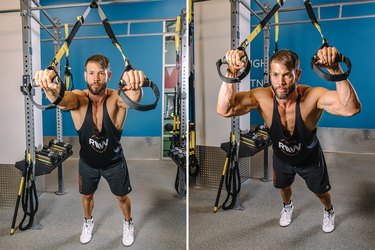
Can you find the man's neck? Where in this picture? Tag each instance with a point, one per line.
(291, 99)
(97, 99)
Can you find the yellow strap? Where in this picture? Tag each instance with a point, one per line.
(66, 36)
(60, 54)
(190, 13)
(177, 36)
(253, 34)
(21, 186)
(225, 166)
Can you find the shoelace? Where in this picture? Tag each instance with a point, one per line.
(128, 229)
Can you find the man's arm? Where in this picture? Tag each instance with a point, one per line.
(230, 103)
(44, 79)
(344, 100)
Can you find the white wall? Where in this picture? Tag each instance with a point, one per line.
(212, 36)
(12, 113)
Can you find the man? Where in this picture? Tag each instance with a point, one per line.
(98, 114)
(291, 111)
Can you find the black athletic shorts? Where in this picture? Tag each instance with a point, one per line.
(314, 173)
(116, 176)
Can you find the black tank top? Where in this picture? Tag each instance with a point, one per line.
(301, 147)
(100, 149)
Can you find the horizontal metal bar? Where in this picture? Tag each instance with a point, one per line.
(9, 11)
(261, 6)
(150, 20)
(359, 2)
(322, 20)
(121, 36)
(75, 5)
(45, 14)
(42, 25)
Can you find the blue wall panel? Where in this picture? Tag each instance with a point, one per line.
(144, 53)
(354, 38)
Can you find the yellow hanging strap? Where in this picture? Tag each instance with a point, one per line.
(67, 67)
(177, 35)
(277, 30)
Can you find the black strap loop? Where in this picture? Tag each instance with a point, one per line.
(131, 103)
(339, 57)
(241, 76)
(327, 76)
(245, 43)
(30, 93)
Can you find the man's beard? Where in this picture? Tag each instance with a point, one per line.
(98, 91)
(287, 94)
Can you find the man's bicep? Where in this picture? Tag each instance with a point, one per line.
(329, 102)
(247, 101)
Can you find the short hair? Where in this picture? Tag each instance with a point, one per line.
(287, 58)
(102, 60)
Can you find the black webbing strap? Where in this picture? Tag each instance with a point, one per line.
(244, 45)
(339, 58)
(146, 83)
(134, 105)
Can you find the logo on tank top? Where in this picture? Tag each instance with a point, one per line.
(290, 147)
(98, 143)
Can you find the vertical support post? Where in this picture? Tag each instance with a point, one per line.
(266, 83)
(184, 108)
(235, 41)
(266, 54)
(27, 75)
(59, 128)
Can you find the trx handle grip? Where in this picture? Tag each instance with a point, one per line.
(331, 77)
(241, 76)
(32, 84)
(131, 103)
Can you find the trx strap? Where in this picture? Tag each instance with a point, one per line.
(244, 45)
(68, 76)
(231, 175)
(64, 49)
(339, 58)
(277, 30)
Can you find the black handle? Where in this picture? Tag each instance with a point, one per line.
(331, 77)
(133, 105)
(241, 76)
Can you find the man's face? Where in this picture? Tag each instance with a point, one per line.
(283, 80)
(96, 78)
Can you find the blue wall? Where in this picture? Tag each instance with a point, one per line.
(144, 53)
(354, 38)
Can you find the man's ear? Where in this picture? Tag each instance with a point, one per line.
(298, 74)
(85, 75)
(109, 74)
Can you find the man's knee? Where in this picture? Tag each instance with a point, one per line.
(323, 195)
(88, 196)
(124, 198)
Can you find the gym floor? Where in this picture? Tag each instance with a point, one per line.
(159, 216)
(352, 178)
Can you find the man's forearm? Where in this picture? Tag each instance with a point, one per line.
(346, 94)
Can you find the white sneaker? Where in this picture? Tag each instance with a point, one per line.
(88, 226)
(286, 215)
(128, 233)
(328, 221)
